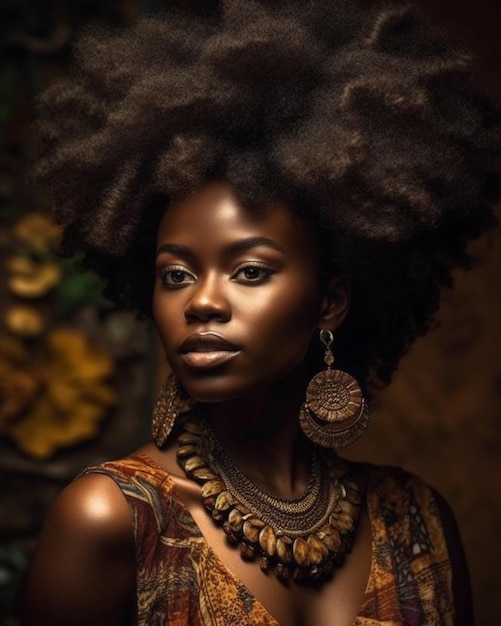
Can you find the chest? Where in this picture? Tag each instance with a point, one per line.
(204, 578)
(336, 601)
(189, 575)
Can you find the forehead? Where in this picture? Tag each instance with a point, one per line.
(214, 216)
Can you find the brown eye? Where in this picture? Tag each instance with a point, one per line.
(252, 274)
(176, 276)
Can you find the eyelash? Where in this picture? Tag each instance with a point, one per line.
(165, 272)
(254, 264)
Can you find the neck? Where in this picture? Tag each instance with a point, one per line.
(261, 433)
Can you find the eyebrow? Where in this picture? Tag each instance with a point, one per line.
(174, 248)
(237, 246)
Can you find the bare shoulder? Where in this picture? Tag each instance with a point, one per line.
(93, 504)
(83, 570)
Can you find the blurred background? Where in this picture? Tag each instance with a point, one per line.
(78, 379)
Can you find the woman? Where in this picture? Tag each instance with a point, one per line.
(285, 188)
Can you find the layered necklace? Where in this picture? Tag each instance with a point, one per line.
(302, 538)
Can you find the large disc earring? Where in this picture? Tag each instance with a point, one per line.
(172, 402)
(335, 413)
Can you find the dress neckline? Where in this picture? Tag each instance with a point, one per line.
(173, 492)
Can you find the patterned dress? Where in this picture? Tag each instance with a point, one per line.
(181, 581)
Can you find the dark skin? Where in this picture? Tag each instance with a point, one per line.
(253, 281)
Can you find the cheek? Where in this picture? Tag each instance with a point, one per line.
(158, 309)
(284, 320)
(165, 317)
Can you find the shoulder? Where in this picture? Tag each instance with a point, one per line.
(393, 488)
(83, 570)
(111, 495)
(92, 502)
(378, 475)
(407, 495)
(90, 518)
(147, 491)
(396, 488)
(404, 500)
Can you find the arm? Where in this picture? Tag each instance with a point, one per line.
(84, 567)
(461, 586)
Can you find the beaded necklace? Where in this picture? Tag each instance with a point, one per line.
(304, 538)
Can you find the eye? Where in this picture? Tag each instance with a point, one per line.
(252, 273)
(173, 277)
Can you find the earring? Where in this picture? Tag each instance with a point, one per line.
(335, 413)
(172, 402)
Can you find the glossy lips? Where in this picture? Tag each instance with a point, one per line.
(204, 350)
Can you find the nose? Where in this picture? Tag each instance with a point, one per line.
(208, 301)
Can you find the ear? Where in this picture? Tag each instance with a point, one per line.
(335, 303)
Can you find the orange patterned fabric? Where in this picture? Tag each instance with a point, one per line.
(181, 581)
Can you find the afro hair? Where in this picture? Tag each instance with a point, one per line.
(366, 121)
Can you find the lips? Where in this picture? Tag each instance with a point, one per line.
(206, 342)
(202, 350)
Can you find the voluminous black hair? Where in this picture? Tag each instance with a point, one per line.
(367, 122)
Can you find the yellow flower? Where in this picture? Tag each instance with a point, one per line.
(31, 279)
(24, 321)
(18, 382)
(37, 233)
(74, 396)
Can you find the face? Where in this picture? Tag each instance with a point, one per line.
(236, 298)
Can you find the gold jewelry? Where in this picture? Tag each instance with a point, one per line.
(303, 538)
(172, 402)
(335, 413)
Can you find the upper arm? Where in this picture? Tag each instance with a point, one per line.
(461, 586)
(83, 570)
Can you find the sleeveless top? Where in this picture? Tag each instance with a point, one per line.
(181, 581)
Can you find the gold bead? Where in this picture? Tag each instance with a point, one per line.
(284, 549)
(223, 501)
(235, 520)
(251, 530)
(186, 450)
(330, 537)
(193, 463)
(212, 488)
(318, 550)
(204, 473)
(301, 552)
(268, 540)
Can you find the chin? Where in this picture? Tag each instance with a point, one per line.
(212, 389)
